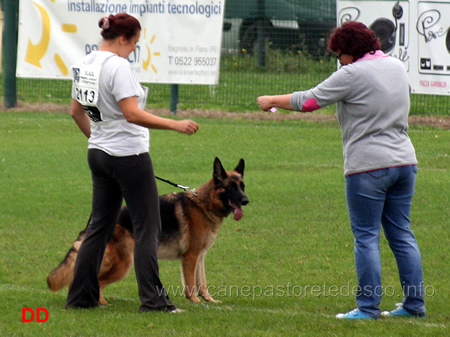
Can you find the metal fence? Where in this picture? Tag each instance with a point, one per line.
(268, 47)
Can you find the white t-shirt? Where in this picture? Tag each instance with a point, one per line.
(113, 134)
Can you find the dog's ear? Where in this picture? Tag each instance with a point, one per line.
(219, 172)
(240, 167)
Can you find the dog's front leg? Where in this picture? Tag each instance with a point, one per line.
(189, 266)
(201, 280)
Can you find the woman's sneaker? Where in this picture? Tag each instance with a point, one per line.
(399, 311)
(354, 314)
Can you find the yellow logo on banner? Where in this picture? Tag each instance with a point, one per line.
(35, 52)
(146, 62)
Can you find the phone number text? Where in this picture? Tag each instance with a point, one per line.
(192, 61)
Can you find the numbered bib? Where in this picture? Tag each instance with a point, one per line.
(86, 83)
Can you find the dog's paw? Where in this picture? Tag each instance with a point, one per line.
(102, 301)
(194, 299)
(210, 299)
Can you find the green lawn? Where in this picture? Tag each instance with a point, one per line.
(285, 269)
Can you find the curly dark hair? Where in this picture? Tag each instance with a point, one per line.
(355, 39)
(120, 24)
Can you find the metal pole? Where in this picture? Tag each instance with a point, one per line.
(173, 98)
(10, 29)
(260, 40)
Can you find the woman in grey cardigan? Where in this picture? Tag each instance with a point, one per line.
(371, 91)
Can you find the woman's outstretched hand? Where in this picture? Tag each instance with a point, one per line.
(187, 126)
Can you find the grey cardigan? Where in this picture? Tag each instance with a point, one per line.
(372, 97)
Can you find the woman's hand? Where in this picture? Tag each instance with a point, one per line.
(186, 126)
(276, 101)
(264, 102)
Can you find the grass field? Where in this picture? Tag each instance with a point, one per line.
(285, 269)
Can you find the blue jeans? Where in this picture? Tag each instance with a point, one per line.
(383, 198)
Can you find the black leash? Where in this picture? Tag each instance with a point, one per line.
(185, 188)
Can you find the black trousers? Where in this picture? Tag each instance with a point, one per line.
(114, 179)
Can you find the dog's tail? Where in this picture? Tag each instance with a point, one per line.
(62, 275)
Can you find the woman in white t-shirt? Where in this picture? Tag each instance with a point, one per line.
(107, 106)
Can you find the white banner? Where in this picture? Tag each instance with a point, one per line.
(180, 39)
(416, 32)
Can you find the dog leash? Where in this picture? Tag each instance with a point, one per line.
(184, 188)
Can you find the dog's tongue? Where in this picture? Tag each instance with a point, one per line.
(238, 212)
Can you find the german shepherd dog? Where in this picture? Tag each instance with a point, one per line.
(190, 223)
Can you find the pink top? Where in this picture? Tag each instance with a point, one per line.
(378, 54)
